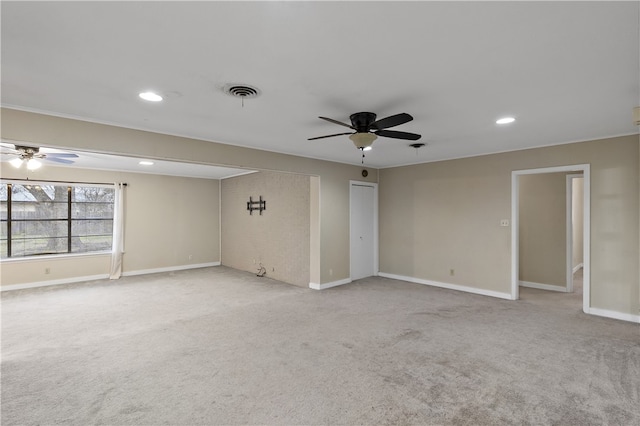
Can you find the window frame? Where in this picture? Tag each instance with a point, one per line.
(69, 218)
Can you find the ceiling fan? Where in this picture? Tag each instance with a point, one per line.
(32, 156)
(367, 129)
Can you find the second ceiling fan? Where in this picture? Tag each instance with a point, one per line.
(367, 128)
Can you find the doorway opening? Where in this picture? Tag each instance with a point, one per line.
(575, 231)
(576, 256)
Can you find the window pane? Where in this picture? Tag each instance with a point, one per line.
(92, 218)
(38, 228)
(33, 246)
(38, 202)
(90, 194)
(91, 235)
(38, 237)
(38, 210)
(91, 227)
(3, 201)
(97, 210)
(89, 243)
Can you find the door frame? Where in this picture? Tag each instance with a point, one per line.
(585, 170)
(373, 185)
(570, 272)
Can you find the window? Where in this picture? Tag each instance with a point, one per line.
(40, 219)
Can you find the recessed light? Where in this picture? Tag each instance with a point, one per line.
(505, 120)
(146, 163)
(150, 96)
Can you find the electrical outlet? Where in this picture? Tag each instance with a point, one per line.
(452, 272)
(504, 222)
(330, 272)
(190, 256)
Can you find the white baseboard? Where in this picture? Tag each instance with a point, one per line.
(540, 286)
(169, 269)
(103, 276)
(53, 282)
(613, 314)
(578, 267)
(457, 287)
(324, 286)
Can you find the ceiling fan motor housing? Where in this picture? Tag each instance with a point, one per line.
(27, 151)
(362, 121)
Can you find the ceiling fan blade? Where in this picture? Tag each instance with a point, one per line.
(392, 121)
(331, 120)
(329, 136)
(398, 135)
(58, 160)
(61, 155)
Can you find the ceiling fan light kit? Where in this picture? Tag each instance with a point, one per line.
(32, 163)
(363, 140)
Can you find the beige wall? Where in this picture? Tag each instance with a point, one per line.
(433, 216)
(172, 221)
(445, 215)
(279, 238)
(543, 228)
(333, 262)
(169, 222)
(60, 269)
(577, 208)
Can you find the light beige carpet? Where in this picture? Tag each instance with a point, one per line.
(217, 346)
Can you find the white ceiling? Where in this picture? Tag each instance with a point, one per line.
(567, 71)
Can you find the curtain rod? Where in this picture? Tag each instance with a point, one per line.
(64, 181)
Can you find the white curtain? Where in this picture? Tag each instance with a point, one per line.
(117, 249)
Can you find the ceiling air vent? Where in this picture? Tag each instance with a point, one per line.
(241, 91)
